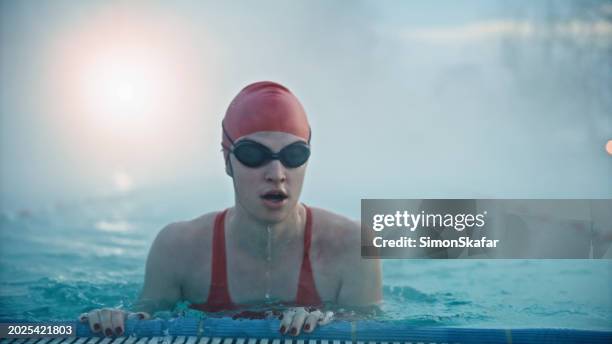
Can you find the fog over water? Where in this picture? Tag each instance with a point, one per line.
(406, 100)
(110, 117)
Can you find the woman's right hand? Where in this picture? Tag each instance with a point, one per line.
(294, 319)
(110, 321)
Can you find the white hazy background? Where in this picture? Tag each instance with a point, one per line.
(406, 99)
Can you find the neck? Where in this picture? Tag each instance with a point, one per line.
(254, 236)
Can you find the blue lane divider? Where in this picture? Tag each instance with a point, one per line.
(400, 331)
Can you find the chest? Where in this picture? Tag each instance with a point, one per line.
(252, 280)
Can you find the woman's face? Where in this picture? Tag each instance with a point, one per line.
(269, 192)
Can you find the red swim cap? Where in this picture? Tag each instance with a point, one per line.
(264, 106)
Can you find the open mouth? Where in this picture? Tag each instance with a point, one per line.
(275, 196)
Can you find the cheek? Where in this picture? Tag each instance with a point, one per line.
(245, 178)
(299, 173)
(295, 178)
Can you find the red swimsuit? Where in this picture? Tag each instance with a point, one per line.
(219, 297)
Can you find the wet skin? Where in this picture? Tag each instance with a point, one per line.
(179, 262)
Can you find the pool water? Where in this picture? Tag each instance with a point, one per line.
(58, 262)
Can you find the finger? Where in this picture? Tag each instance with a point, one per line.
(275, 313)
(117, 320)
(106, 322)
(94, 321)
(143, 315)
(298, 321)
(287, 317)
(327, 318)
(311, 320)
(83, 317)
(138, 316)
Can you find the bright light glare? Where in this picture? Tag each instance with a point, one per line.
(121, 83)
(129, 88)
(125, 92)
(123, 88)
(123, 182)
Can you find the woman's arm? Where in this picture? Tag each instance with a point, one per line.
(361, 283)
(161, 290)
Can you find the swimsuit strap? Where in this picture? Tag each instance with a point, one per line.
(218, 295)
(307, 294)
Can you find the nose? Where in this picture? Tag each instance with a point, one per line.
(275, 172)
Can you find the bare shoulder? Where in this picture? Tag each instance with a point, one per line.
(183, 239)
(335, 229)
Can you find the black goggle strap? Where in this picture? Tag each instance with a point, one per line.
(226, 135)
(229, 149)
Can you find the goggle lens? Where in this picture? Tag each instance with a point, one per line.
(254, 154)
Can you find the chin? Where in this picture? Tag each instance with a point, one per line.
(274, 216)
(269, 215)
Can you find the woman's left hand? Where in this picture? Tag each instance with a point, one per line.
(294, 319)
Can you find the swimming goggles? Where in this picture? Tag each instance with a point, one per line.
(254, 154)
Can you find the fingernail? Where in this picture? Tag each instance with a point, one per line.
(307, 327)
(294, 331)
(97, 327)
(108, 332)
(282, 329)
(118, 330)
